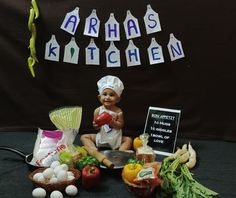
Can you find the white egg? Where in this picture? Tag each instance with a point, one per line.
(36, 176)
(70, 177)
(48, 173)
(62, 176)
(39, 193)
(53, 180)
(71, 190)
(56, 194)
(57, 169)
(65, 167)
(41, 178)
(70, 173)
(55, 164)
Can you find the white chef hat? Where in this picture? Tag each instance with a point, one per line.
(111, 82)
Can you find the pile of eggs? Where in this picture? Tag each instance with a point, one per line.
(54, 174)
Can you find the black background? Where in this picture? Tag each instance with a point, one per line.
(201, 85)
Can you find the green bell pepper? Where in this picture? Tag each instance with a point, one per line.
(86, 160)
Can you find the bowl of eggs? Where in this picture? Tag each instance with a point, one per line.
(56, 177)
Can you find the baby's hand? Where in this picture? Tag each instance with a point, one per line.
(113, 121)
(95, 125)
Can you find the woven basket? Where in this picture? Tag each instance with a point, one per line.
(139, 190)
(58, 186)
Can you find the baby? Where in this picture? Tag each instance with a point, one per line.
(110, 134)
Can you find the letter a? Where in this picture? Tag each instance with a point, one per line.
(71, 21)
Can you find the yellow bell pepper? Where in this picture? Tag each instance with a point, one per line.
(130, 171)
(137, 142)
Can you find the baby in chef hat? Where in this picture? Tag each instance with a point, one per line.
(109, 134)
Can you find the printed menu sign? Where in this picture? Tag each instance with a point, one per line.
(162, 126)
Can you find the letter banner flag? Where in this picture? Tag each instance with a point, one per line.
(155, 53)
(113, 56)
(92, 25)
(71, 52)
(131, 26)
(151, 21)
(175, 48)
(52, 49)
(112, 29)
(71, 21)
(92, 53)
(132, 55)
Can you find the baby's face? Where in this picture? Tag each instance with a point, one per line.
(109, 97)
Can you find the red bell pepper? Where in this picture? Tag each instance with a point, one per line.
(103, 118)
(90, 176)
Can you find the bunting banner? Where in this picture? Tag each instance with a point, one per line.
(131, 25)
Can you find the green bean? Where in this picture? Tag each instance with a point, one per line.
(33, 30)
(31, 62)
(35, 7)
(31, 18)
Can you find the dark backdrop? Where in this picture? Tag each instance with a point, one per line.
(201, 85)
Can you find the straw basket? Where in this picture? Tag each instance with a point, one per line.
(139, 190)
(57, 186)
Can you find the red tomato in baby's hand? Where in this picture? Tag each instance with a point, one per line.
(103, 118)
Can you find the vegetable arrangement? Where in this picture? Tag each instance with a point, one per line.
(34, 14)
(178, 180)
(141, 178)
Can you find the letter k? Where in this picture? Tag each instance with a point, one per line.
(51, 50)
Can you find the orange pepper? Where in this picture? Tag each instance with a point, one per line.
(130, 171)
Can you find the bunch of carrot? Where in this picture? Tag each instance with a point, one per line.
(176, 178)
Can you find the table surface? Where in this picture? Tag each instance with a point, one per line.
(215, 169)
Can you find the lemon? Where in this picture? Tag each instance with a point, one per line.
(81, 150)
